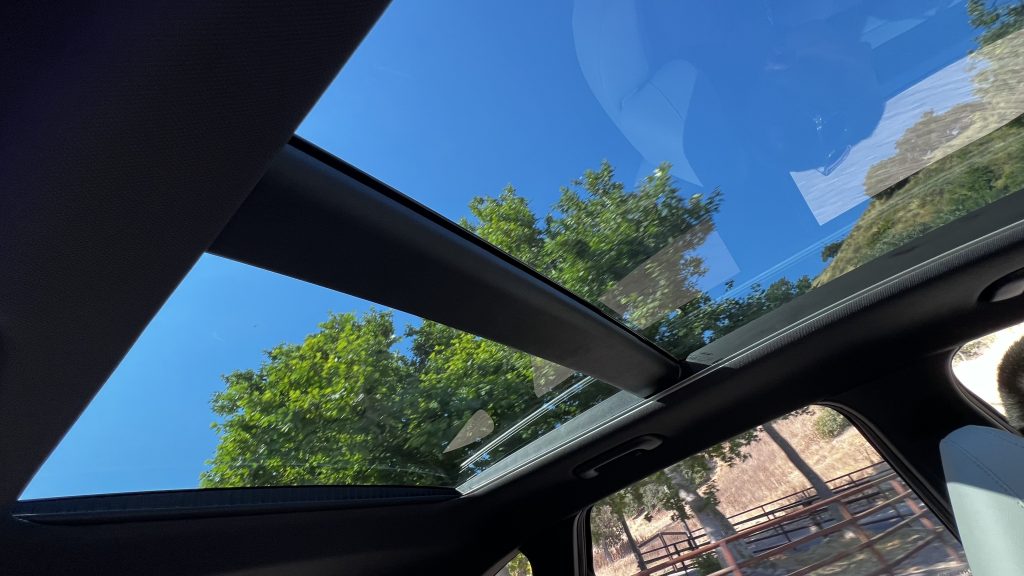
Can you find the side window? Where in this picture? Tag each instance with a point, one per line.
(804, 494)
(519, 565)
(992, 368)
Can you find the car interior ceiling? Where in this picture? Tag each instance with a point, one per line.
(108, 196)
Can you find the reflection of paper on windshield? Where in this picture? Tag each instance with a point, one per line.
(479, 426)
(547, 376)
(981, 93)
(664, 282)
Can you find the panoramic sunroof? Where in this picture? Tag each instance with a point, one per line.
(249, 378)
(687, 166)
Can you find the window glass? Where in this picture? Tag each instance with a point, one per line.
(803, 494)
(250, 378)
(688, 166)
(992, 368)
(518, 566)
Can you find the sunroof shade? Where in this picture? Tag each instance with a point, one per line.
(687, 166)
(247, 378)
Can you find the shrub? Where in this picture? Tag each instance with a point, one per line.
(520, 566)
(829, 424)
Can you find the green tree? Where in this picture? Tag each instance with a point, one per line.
(606, 530)
(596, 235)
(829, 424)
(996, 20)
(350, 405)
(519, 566)
(693, 478)
(599, 233)
(829, 251)
(918, 145)
(622, 505)
(818, 484)
(320, 412)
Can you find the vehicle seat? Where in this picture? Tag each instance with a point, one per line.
(984, 470)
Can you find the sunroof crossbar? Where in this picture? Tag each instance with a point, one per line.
(318, 219)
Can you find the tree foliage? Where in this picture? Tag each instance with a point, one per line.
(362, 401)
(995, 20)
(918, 145)
(520, 566)
(945, 190)
(320, 412)
(829, 424)
(598, 232)
(830, 250)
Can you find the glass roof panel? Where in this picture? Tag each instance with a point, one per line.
(249, 378)
(687, 166)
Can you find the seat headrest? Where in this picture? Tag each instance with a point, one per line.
(984, 470)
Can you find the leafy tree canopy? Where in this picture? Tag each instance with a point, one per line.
(350, 405)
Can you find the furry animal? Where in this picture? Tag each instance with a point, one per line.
(1010, 382)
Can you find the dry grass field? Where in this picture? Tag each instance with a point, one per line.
(765, 476)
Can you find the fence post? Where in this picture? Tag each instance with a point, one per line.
(895, 506)
(781, 531)
(664, 545)
(816, 522)
(690, 543)
(730, 560)
(861, 535)
(916, 509)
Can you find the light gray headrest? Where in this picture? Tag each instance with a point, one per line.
(985, 475)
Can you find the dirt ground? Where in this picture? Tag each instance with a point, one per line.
(767, 475)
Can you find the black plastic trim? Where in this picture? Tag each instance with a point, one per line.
(316, 218)
(172, 504)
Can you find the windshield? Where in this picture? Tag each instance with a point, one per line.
(684, 166)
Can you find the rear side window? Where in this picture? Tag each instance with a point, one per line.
(804, 494)
(992, 368)
(518, 566)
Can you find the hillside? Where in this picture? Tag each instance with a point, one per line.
(958, 183)
(952, 163)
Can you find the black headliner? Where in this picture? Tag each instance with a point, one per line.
(129, 140)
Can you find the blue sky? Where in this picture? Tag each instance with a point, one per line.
(490, 94)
